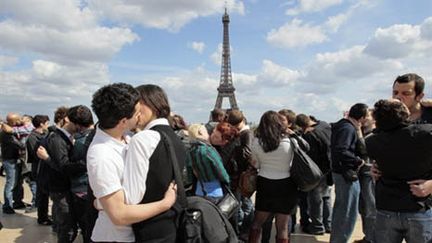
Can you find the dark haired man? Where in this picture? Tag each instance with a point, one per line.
(217, 115)
(41, 123)
(317, 134)
(345, 163)
(58, 155)
(118, 110)
(409, 89)
(402, 152)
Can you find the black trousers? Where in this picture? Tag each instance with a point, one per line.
(66, 226)
(42, 198)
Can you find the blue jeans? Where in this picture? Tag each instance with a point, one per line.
(320, 207)
(345, 209)
(393, 227)
(367, 203)
(10, 170)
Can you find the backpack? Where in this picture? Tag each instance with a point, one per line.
(199, 220)
(203, 222)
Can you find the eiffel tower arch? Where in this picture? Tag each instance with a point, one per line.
(226, 88)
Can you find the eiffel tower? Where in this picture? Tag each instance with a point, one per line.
(226, 88)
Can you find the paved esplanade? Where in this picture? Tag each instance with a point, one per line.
(23, 228)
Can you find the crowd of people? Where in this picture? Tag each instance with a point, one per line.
(114, 181)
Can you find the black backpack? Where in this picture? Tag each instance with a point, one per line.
(202, 221)
(199, 220)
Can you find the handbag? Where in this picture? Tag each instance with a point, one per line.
(304, 171)
(247, 181)
(229, 203)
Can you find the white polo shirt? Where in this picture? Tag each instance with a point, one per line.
(105, 165)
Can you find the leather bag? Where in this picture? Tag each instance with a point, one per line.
(304, 172)
(228, 204)
(247, 182)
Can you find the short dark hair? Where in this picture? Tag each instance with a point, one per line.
(409, 77)
(235, 117)
(390, 114)
(114, 102)
(270, 130)
(216, 113)
(60, 114)
(358, 111)
(303, 120)
(155, 98)
(38, 120)
(80, 115)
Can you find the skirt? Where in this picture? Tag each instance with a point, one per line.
(276, 196)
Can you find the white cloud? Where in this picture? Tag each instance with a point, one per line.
(426, 29)
(334, 22)
(162, 14)
(276, 75)
(197, 46)
(294, 33)
(6, 61)
(94, 44)
(71, 32)
(216, 56)
(397, 41)
(308, 6)
(48, 85)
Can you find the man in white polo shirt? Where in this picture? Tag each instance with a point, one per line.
(117, 109)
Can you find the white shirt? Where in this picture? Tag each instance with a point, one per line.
(275, 164)
(141, 148)
(105, 164)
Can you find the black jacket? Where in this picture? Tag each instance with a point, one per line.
(10, 146)
(402, 154)
(59, 148)
(319, 142)
(32, 144)
(343, 147)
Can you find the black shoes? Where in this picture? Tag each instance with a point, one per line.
(8, 210)
(45, 222)
(21, 205)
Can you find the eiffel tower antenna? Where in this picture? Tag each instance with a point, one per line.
(226, 88)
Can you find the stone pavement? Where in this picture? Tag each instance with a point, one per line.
(23, 228)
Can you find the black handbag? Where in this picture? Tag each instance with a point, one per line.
(304, 171)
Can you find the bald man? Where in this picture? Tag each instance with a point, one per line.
(10, 149)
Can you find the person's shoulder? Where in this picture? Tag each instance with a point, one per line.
(146, 136)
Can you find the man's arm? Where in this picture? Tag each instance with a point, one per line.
(341, 148)
(121, 213)
(421, 188)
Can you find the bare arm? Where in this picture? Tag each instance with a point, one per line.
(121, 213)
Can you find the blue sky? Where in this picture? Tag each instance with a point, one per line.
(315, 57)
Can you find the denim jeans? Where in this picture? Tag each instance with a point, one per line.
(246, 214)
(367, 203)
(320, 207)
(10, 171)
(345, 209)
(393, 227)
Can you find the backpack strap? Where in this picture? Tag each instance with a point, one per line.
(176, 170)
